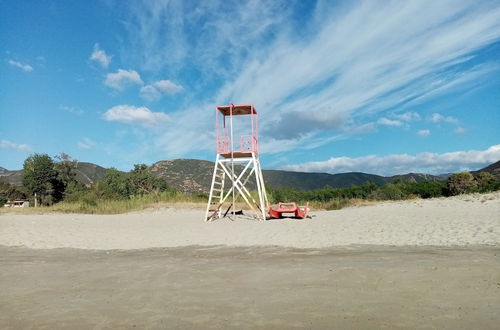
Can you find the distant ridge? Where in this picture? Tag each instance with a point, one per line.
(493, 169)
(87, 173)
(194, 176)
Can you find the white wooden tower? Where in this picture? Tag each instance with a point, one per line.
(237, 166)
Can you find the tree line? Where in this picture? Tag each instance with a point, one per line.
(53, 180)
(458, 183)
(48, 180)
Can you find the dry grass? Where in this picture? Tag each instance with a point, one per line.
(337, 204)
(137, 203)
(155, 202)
(166, 200)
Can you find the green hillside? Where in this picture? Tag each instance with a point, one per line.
(194, 176)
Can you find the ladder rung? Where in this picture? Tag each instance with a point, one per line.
(217, 182)
(216, 189)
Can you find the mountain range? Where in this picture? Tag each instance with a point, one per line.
(194, 176)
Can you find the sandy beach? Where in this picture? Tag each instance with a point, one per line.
(415, 264)
(458, 221)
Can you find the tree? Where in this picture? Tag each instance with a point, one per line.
(461, 183)
(10, 192)
(40, 177)
(143, 182)
(114, 183)
(66, 173)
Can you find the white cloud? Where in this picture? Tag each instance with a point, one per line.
(22, 66)
(399, 120)
(100, 56)
(167, 87)
(426, 162)
(460, 131)
(389, 122)
(122, 78)
(6, 144)
(86, 144)
(130, 114)
(438, 118)
(158, 89)
(424, 133)
(408, 116)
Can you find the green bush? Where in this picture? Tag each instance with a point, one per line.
(425, 189)
(388, 192)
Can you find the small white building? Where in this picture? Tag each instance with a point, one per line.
(19, 203)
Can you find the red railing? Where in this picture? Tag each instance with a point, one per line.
(247, 143)
(223, 146)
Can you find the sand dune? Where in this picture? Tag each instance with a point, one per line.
(458, 221)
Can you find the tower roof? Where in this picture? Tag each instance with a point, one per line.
(238, 109)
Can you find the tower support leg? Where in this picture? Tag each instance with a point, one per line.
(217, 196)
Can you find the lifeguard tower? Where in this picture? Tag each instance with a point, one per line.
(237, 163)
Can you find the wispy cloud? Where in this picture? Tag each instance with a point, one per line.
(23, 66)
(432, 163)
(98, 55)
(158, 89)
(366, 67)
(211, 36)
(122, 78)
(86, 144)
(460, 131)
(389, 122)
(349, 64)
(135, 115)
(6, 144)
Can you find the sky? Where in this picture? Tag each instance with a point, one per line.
(382, 87)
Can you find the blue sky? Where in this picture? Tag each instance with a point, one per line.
(382, 87)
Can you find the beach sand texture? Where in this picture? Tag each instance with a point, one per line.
(457, 221)
(418, 264)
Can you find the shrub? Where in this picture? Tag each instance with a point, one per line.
(461, 183)
(485, 182)
(388, 192)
